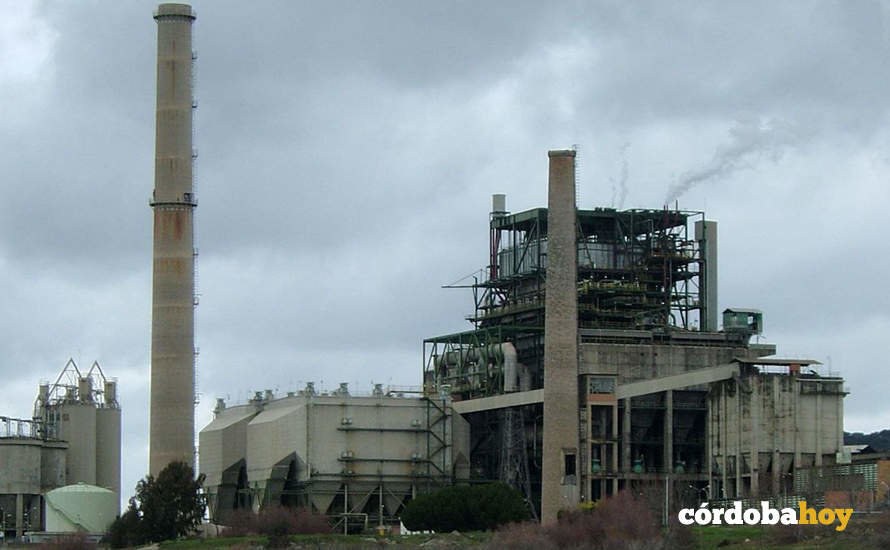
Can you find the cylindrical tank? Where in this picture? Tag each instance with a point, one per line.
(20, 466)
(110, 393)
(85, 389)
(108, 448)
(78, 427)
(80, 507)
(52, 465)
(499, 203)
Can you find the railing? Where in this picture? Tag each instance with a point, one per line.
(18, 428)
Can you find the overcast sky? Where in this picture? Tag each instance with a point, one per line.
(348, 151)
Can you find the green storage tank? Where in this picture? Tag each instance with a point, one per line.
(80, 508)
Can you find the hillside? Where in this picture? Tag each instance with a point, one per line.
(880, 441)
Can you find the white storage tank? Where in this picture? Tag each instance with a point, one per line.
(79, 508)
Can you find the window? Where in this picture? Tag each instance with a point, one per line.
(600, 385)
(569, 469)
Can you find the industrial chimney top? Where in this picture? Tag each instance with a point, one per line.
(174, 10)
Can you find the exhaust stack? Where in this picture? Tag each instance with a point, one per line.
(560, 469)
(172, 414)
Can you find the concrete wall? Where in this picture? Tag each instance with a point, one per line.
(20, 461)
(636, 362)
(223, 442)
(785, 421)
(28, 468)
(273, 435)
(53, 458)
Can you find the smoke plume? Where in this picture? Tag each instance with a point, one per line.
(622, 182)
(750, 140)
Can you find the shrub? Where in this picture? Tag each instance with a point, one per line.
(522, 536)
(277, 523)
(238, 523)
(172, 505)
(126, 530)
(166, 507)
(465, 508)
(75, 541)
(681, 537)
(785, 534)
(620, 522)
(881, 533)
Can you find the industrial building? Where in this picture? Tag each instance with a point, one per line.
(355, 458)
(595, 362)
(73, 438)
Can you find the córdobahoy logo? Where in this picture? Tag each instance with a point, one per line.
(765, 515)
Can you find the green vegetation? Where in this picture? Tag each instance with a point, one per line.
(621, 522)
(530, 536)
(465, 508)
(880, 441)
(165, 508)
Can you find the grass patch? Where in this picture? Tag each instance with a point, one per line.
(321, 541)
(714, 536)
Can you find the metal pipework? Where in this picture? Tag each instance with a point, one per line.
(172, 415)
(493, 354)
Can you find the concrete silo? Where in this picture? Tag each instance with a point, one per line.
(77, 424)
(21, 468)
(108, 440)
(83, 411)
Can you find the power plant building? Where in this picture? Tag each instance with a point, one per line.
(355, 458)
(596, 363)
(74, 437)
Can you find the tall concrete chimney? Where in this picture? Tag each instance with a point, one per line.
(560, 472)
(172, 415)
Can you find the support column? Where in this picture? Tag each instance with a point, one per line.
(739, 458)
(615, 468)
(668, 431)
(796, 406)
(19, 515)
(724, 438)
(776, 424)
(840, 421)
(709, 445)
(626, 459)
(559, 485)
(755, 436)
(817, 422)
